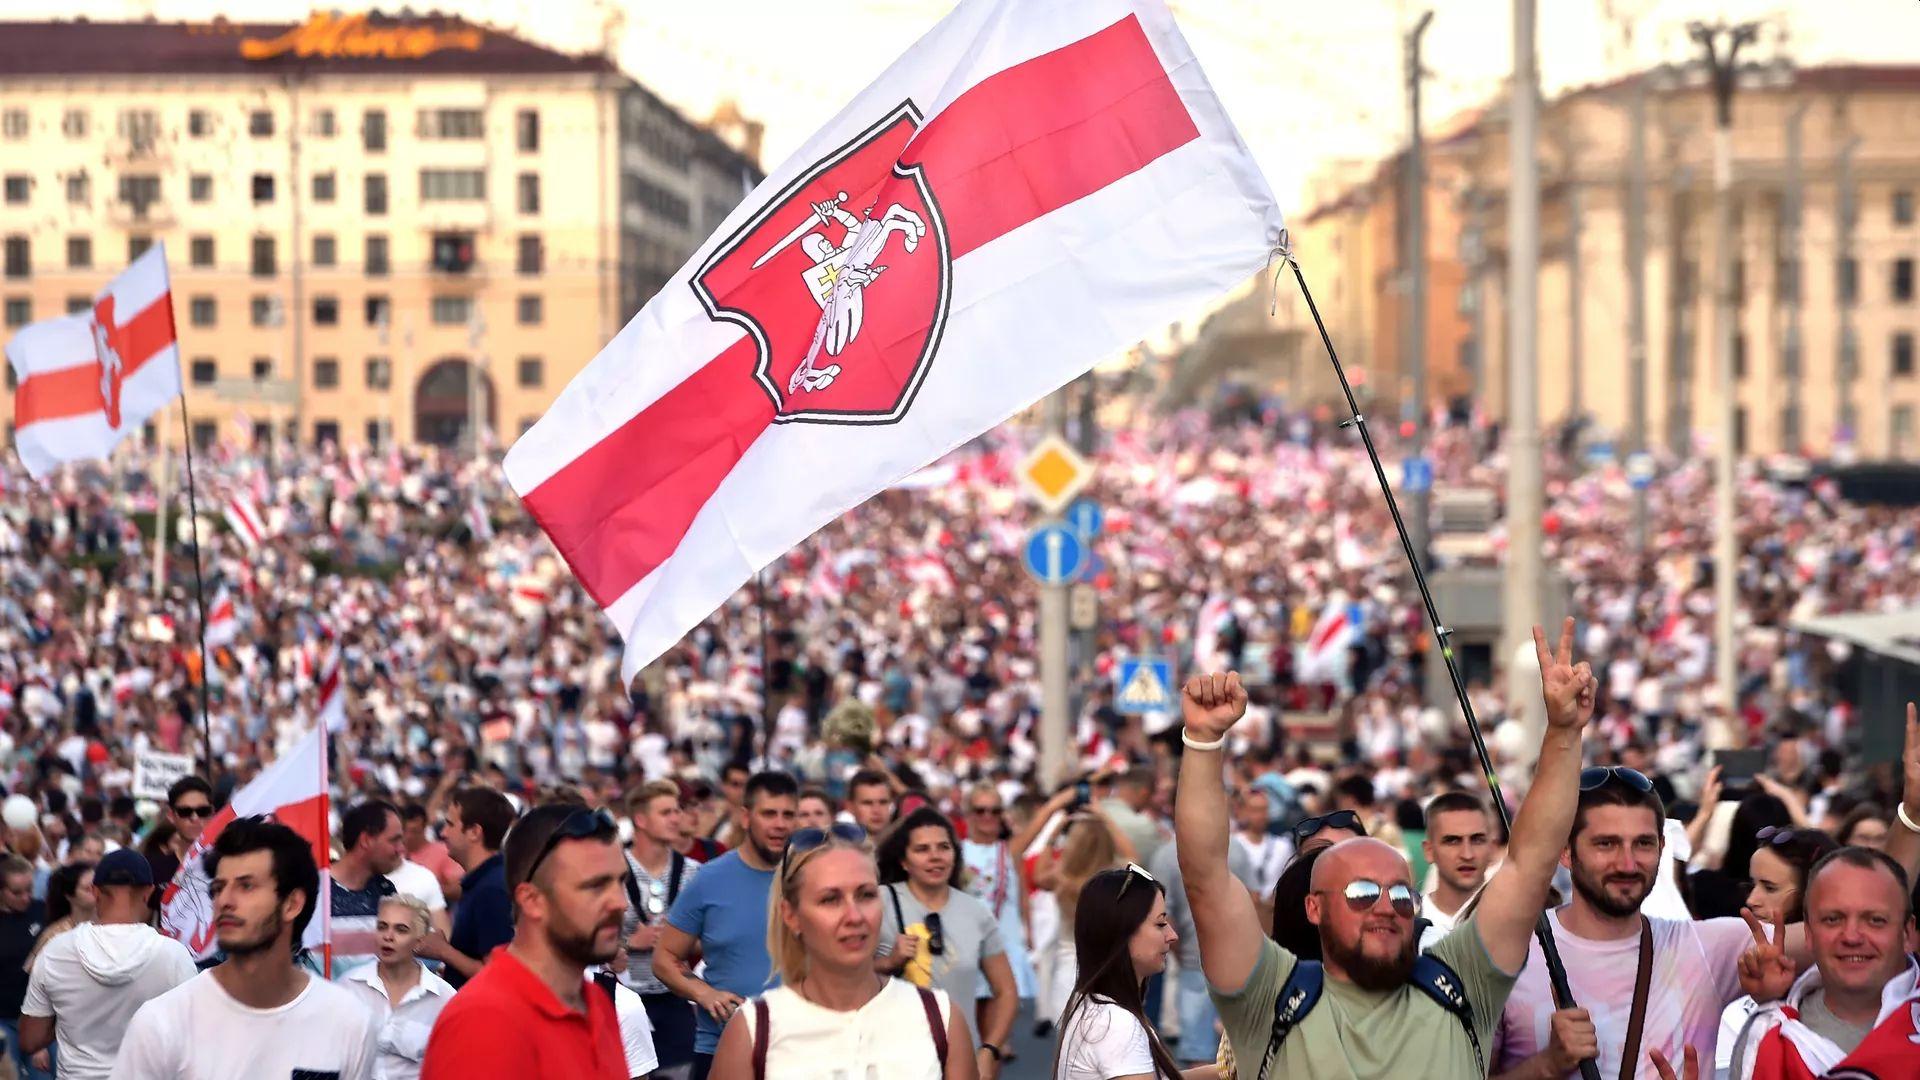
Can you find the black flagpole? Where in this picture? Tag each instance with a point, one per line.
(199, 593)
(766, 675)
(1556, 971)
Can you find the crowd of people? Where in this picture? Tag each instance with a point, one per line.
(829, 787)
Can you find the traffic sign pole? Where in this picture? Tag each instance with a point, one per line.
(1054, 691)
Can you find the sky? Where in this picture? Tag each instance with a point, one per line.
(1306, 83)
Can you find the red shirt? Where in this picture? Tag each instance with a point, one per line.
(506, 1022)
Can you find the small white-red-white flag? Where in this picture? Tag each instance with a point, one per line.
(1030, 188)
(223, 620)
(333, 695)
(1323, 659)
(478, 523)
(87, 379)
(243, 517)
(293, 791)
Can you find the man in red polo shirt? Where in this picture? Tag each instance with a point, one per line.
(531, 1011)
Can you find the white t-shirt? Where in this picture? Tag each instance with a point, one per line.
(91, 980)
(1104, 1041)
(196, 1031)
(415, 880)
(636, 1031)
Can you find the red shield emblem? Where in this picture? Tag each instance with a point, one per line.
(843, 281)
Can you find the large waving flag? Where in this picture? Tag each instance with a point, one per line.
(292, 790)
(1033, 186)
(87, 379)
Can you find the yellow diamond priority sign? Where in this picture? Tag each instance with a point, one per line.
(1054, 472)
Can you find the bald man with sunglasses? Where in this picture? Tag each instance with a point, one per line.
(1374, 1007)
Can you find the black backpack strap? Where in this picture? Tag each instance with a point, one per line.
(1296, 999)
(1438, 981)
(899, 916)
(633, 890)
(679, 863)
(606, 981)
(935, 1024)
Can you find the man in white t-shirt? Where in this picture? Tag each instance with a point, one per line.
(1460, 846)
(89, 981)
(412, 879)
(256, 1015)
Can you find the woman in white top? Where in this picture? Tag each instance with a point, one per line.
(1122, 937)
(403, 995)
(834, 1017)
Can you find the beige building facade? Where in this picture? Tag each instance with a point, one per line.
(376, 228)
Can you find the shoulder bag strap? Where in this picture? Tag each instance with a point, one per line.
(1296, 999)
(633, 891)
(760, 1039)
(899, 916)
(1642, 981)
(935, 1024)
(1441, 983)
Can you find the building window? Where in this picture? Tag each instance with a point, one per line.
(530, 310)
(18, 189)
(526, 128)
(205, 371)
(1900, 431)
(449, 185)
(1739, 356)
(264, 264)
(373, 131)
(529, 254)
(1903, 281)
(261, 311)
(452, 310)
(325, 432)
(1786, 281)
(199, 124)
(323, 123)
(140, 127)
(453, 252)
(140, 193)
(1847, 280)
(326, 373)
(325, 251)
(19, 257)
(204, 433)
(326, 311)
(527, 422)
(379, 373)
(79, 252)
(323, 186)
(200, 251)
(379, 310)
(1903, 207)
(1790, 427)
(13, 123)
(203, 311)
(1740, 430)
(373, 434)
(74, 123)
(529, 189)
(79, 305)
(532, 372)
(260, 123)
(376, 192)
(1903, 353)
(638, 191)
(262, 368)
(19, 313)
(379, 264)
(137, 245)
(451, 124)
(1790, 354)
(262, 187)
(78, 190)
(200, 187)
(1849, 360)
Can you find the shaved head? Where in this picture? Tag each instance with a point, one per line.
(1374, 947)
(1360, 857)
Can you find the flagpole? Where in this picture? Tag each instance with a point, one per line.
(1556, 971)
(199, 592)
(766, 674)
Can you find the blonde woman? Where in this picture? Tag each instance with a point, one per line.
(1090, 844)
(833, 1017)
(404, 997)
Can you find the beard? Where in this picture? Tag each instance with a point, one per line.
(582, 946)
(245, 944)
(1593, 888)
(1373, 973)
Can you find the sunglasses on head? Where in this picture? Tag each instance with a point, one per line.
(805, 840)
(582, 824)
(192, 811)
(1339, 819)
(1599, 775)
(1132, 871)
(1361, 895)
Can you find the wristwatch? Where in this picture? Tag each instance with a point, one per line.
(994, 1050)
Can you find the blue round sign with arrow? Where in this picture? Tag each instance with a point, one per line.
(1054, 554)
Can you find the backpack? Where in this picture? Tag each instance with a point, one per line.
(1302, 992)
(762, 1037)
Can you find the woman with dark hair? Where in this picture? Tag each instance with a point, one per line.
(933, 934)
(1121, 936)
(1777, 880)
(70, 902)
(1720, 894)
(1864, 826)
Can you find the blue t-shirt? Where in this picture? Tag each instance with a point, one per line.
(483, 921)
(725, 908)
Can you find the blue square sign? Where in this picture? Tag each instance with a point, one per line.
(1143, 684)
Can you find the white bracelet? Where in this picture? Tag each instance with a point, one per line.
(1216, 744)
(1900, 811)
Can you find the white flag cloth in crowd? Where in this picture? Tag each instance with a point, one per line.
(1324, 656)
(223, 620)
(333, 695)
(87, 379)
(293, 791)
(1033, 186)
(478, 523)
(244, 518)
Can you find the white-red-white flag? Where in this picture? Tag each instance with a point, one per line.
(478, 523)
(293, 791)
(244, 518)
(1324, 656)
(1030, 188)
(333, 695)
(223, 620)
(87, 379)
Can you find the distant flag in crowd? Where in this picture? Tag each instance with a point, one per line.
(293, 790)
(1030, 188)
(223, 620)
(1214, 611)
(478, 523)
(1324, 657)
(333, 695)
(85, 380)
(243, 517)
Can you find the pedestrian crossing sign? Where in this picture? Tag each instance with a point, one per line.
(1143, 684)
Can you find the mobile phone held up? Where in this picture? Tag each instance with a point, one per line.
(1737, 770)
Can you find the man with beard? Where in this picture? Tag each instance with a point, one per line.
(256, 1014)
(532, 1011)
(723, 915)
(1382, 1009)
(1604, 939)
(1459, 844)
(371, 848)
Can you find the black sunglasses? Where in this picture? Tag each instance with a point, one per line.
(936, 936)
(192, 811)
(582, 824)
(1339, 819)
(1600, 774)
(805, 840)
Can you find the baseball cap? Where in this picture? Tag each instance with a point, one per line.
(123, 867)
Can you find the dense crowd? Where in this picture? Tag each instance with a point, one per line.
(892, 731)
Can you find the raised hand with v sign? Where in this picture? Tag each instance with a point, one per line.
(1570, 688)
